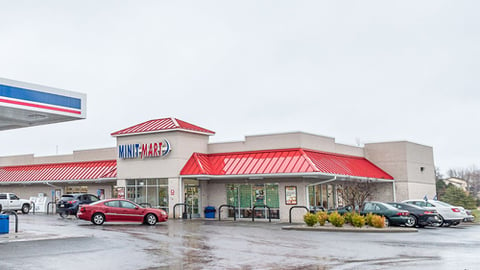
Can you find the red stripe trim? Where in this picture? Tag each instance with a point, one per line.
(38, 106)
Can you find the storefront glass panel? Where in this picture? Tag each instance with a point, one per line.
(245, 196)
(76, 189)
(323, 195)
(149, 192)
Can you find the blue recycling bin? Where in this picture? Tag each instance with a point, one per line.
(210, 212)
(4, 224)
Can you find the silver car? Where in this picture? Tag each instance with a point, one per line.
(448, 214)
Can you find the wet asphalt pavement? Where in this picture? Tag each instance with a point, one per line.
(49, 242)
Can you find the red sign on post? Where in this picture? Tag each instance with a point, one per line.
(172, 191)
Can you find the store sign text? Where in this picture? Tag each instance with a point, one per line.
(145, 150)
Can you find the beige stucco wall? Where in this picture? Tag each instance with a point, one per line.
(76, 156)
(183, 145)
(410, 164)
(27, 191)
(285, 141)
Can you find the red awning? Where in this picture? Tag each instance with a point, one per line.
(59, 172)
(287, 161)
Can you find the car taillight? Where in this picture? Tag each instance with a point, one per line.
(428, 212)
(403, 213)
(456, 210)
(82, 209)
(72, 202)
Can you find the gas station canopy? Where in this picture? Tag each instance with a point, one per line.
(25, 104)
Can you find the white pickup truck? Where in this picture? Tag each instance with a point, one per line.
(11, 202)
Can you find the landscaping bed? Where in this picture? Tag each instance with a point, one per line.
(348, 228)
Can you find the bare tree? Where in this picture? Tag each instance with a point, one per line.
(355, 194)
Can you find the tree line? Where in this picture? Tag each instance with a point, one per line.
(457, 196)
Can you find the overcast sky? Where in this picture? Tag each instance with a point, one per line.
(358, 71)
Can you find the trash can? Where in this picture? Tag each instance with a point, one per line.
(210, 212)
(4, 224)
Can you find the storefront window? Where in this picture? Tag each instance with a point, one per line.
(244, 197)
(323, 196)
(149, 192)
(76, 189)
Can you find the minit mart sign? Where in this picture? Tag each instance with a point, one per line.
(145, 150)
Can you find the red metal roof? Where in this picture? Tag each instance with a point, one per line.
(281, 161)
(164, 124)
(59, 172)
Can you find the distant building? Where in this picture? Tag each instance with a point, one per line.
(460, 183)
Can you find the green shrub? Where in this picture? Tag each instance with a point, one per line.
(322, 217)
(310, 219)
(368, 219)
(357, 220)
(348, 217)
(336, 219)
(378, 221)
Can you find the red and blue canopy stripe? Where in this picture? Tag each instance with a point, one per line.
(40, 100)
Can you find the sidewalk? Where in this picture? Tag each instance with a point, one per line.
(37, 228)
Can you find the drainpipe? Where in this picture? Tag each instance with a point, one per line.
(394, 191)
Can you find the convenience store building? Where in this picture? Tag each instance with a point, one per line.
(164, 162)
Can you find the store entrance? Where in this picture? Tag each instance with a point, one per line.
(192, 198)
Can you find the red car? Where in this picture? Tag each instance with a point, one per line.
(120, 210)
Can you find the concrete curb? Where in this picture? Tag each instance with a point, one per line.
(350, 229)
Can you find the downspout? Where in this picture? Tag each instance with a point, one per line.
(394, 191)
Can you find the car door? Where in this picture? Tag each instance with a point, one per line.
(112, 211)
(130, 212)
(14, 201)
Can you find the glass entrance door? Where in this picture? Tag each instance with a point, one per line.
(192, 200)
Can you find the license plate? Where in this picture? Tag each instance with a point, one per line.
(62, 205)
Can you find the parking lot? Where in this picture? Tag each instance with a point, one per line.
(49, 242)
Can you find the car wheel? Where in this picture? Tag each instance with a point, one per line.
(25, 208)
(98, 219)
(440, 222)
(151, 219)
(63, 214)
(411, 222)
(387, 222)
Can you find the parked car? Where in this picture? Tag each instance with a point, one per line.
(422, 216)
(11, 202)
(393, 216)
(120, 210)
(68, 203)
(341, 210)
(469, 217)
(449, 214)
